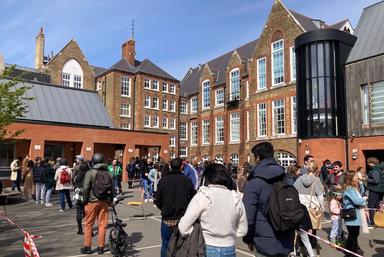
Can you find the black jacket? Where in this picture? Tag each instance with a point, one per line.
(256, 196)
(191, 246)
(173, 195)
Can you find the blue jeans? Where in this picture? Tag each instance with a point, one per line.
(214, 251)
(146, 184)
(65, 193)
(165, 232)
(337, 229)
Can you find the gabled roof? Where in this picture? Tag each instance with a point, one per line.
(123, 65)
(339, 25)
(146, 66)
(58, 104)
(370, 33)
(98, 70)
(190, 84)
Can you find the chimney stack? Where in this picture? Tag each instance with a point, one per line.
(2, 65)
(39, 50)
(128, 51)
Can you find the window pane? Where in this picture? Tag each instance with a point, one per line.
(261, 74)
(262, 120)
(235, 126)
(206, 94)
(377, 98)
(278, 62)
(235, 85)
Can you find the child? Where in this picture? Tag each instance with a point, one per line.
(337, 225)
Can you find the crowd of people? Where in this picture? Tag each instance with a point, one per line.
(214, 203)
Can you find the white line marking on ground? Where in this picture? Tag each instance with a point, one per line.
(246, 253)
(131, 250)
(154, 218)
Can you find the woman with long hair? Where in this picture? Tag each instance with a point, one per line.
(220, 210)
(352, 201)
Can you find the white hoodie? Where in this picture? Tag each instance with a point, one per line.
(222, 216)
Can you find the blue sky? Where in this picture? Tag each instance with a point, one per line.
(174, 34)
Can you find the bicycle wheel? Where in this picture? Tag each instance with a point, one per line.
(113, 241)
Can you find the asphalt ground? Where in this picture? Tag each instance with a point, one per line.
(59, 238)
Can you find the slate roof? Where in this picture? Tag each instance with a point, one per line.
(57, 104)
(370, 33)
(306, 22)
(146, 66)
(98, 70)
(190, 84)
(339, 24)
(123, 65)
(29, 74)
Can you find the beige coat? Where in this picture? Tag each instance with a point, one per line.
(14, 169)
(60, 186)
(29, 185)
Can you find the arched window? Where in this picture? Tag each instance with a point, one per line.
(284, 158)
(72, 74)
(235, 159)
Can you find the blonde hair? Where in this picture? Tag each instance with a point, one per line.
(312, 167)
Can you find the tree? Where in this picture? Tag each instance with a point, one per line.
(13, 102)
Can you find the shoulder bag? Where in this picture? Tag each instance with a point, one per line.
(315, 213)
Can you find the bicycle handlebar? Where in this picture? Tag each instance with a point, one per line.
(116, 200)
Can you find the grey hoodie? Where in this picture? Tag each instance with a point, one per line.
(304, 186)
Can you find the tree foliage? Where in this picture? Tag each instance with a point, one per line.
(13, 102)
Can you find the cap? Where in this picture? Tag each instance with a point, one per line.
(80, 157)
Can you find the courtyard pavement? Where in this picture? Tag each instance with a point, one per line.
(59, 238)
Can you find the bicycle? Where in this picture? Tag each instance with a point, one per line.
(118, 238)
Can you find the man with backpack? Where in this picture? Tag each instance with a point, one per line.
(98, 193)
(63, 177)
(264, 190)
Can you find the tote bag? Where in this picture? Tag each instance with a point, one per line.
(315, 213)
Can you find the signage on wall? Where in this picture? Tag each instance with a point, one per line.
(306, 152)
(130, 150)
(88, 149)
(165, 151)
(37, 147)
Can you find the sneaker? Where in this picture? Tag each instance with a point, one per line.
(61, 211)
(146, 200)
(36, 202)
(151, 200)
(48, 205)
(42, 202)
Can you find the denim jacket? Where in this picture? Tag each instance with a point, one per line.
(353, 199)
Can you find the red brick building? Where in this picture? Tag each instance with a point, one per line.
(248, 95)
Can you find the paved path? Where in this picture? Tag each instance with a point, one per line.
(60, 238)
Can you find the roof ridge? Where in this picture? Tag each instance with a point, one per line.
(369, 6)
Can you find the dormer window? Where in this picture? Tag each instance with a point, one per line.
(72, 74)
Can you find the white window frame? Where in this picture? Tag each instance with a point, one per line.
(272, 52)
(231, 135)
(125, 126)
(125, 84)
(172, 123)
(231, 97)
(166, 122)
(206, 84)
(155, 100)
(197, 104)
(147, 118)
(166, 104)
(76, 82)
(293, 114)
(258, 74)
(99, 85)
(186, 151)
(247, 90)
(259, 118)
(147, 97)
(155, 83)
(186, 131)
(217, 104)
(217, 132)
(205, 139)
(235, 160)
(194, 128)
(66, 79)
(273, 118)
(292, 57)
(125, 110)
(182, 110)
(147, 83)
(172, 141)
(155, 124)
(172, 88)
(174, 106)
(376, 101)
(166, 87)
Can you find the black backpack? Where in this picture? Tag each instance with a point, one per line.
(102, 188)
(284, 208)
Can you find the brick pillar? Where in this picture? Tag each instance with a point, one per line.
(87, 149)
(36, 148)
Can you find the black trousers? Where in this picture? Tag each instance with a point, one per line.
(374, 199)
(351, 244)
(79, 215)
(313, 240)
